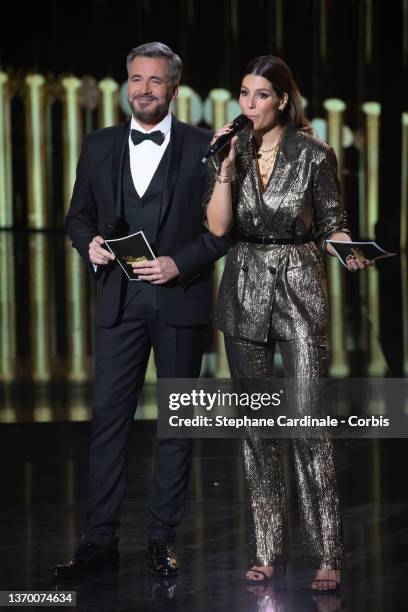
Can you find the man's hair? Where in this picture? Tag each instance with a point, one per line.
(158, 49)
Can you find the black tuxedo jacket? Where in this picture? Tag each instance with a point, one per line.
(97, 198)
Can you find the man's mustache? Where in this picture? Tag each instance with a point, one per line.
(144, 98)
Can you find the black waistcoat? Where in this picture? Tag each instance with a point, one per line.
(143, 213)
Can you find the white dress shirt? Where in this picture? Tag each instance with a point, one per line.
(146, 156)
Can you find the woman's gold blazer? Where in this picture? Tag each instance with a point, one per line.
(279, 291)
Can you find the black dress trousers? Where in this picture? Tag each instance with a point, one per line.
(121, 357)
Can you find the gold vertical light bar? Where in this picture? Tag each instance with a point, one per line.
(6, 197)
(338, 365)
(36, 121)
(323, 31)
(404, 241)
(78, 406)
(183, 104)
(219, 99)
(42, 406)
(109, 109)
(188, 105)
(363, 333)
(366, 52)
(279, 26)
(77, 328)
(8, 407)
(234, 19)
(7, 286)
(372, 110)
(40, 319)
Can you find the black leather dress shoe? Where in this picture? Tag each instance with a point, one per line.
(162, 559)
(88, 557)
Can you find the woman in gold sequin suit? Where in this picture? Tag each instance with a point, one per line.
(276, 190)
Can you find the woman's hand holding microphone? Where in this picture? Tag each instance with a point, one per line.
(227, 155)
(219, 209)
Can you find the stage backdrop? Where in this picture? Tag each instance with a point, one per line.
(63, 75)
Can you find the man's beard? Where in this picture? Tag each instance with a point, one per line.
(150, 115)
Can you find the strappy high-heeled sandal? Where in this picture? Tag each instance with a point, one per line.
(254, 580)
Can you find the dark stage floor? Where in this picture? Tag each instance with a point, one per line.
(44, 473)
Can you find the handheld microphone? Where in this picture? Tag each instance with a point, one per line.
(238, 123)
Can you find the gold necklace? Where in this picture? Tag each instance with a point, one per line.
(267, 167)
(269, 150)
(275, 146)
(265, 160)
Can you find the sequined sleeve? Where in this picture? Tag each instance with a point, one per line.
(330, 216)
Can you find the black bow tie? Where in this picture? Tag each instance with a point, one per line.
(138, 137)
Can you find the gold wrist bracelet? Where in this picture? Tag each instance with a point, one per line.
(223, 179)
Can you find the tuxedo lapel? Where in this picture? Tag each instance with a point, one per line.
(173, 167)
(118, 159)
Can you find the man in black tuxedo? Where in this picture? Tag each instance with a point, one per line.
(144, 175)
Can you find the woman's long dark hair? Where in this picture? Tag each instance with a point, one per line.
(278, 73)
